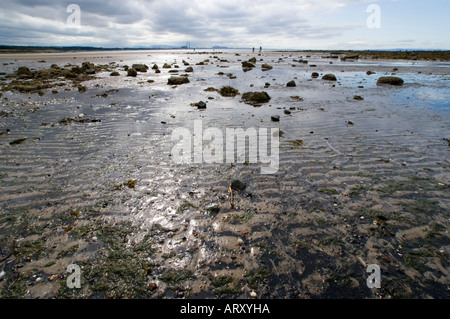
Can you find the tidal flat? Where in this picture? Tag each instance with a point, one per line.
(87, 175)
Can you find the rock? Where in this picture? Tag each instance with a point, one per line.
(2, 274)
(392, 80)
(90, 71)
(358, 98)
(370, 72)
(275, 118)
(266, 67)
(178, 80)
(315, 75)
(237, 185)
(201, 105)
(189, 69)
(247, 66)
(253, 294)
(24, 73)
(256, 98)
(329, 77)
(291, 84)
(82, 89)
(157, 71)
(228, 91)
(132, 72)
(87, 66)
(115, 73)
(166, 66)
(287, 112)
(155, 67)
(252, 60)
(140, 67)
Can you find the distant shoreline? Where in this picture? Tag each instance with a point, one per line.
(441, 55)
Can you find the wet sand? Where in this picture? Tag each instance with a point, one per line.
(86, 178)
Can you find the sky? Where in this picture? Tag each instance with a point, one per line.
(280, 24)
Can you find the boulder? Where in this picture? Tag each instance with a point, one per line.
(140, 67)
(256, 98)
(131, 72)
(391, 80)
(266, 67)
(329, 77)
(178, 80)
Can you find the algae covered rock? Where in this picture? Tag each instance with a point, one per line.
(391, 80)
(329, 77)
(177, 80)
(132, 72)
(228, 91)
(140, 67)
(256, 98)
(266, 67)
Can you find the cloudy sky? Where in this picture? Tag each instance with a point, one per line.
(279, 24)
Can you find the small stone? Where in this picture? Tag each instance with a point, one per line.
(275, 118)
(240, 241)
(201, 105)
(291, 84)
(253, 294)
(238, 185)
(38, 279)
(53, 277)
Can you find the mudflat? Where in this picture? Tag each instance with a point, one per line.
(87, 175)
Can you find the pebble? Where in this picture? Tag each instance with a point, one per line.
(253, 294)
(53, 277)
(2, 274)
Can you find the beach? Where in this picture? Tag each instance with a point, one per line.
(88, 176)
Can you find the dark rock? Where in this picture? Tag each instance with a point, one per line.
(82, 89)
(291, 84)
(329, 77)
(189, 69)
(247, 66)
(166, 66)
(155, 67)
(131, 72)
(275, 118)
(266, 67)
(201, 105)
(315, 75)
(287, 112)
(392, 80)
(178, 80)
(256, 98)
(358, 98)
(252, 60)
(370, 72)
(157, 71)
(140, 67)
(237, 185)
(115, 73)
(90, 71)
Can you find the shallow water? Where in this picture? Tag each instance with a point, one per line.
(313, 225)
